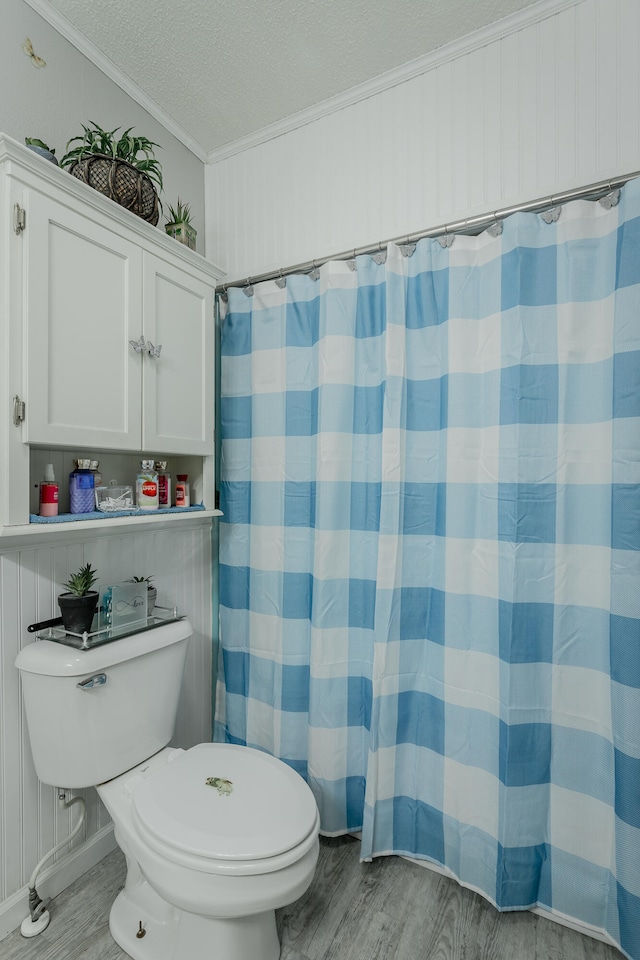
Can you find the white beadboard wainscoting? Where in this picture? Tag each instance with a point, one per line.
(547, 105)
(31, 822)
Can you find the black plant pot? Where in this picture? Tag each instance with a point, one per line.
(78, 612)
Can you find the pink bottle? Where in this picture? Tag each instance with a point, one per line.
(49, 493)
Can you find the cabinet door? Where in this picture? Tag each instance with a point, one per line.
(83, 304)
(178, 385)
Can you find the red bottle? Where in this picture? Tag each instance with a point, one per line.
(164, 484)
(49, 493)
(183, 496)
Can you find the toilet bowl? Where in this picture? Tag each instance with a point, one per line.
(216, 837)
(209, 864)
(205, 861)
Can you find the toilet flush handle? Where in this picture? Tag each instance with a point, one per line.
(97, 680)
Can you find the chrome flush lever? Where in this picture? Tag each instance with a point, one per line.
(97, 680)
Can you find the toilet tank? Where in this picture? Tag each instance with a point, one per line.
(83, 736)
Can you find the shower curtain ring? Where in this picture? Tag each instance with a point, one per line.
(494, 229)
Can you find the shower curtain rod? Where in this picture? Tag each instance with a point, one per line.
(473, 225)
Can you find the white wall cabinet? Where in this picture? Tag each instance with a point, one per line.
(82, 304)
(90, 294)
(97, 306)
(178, 386)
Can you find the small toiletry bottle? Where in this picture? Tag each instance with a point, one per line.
(183, 496)
(81, 496)
(164, 484)
(49, 493)
(97, 476)
(147, 486)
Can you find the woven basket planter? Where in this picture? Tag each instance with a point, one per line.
(120, 181)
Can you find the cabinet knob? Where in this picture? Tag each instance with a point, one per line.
(138, 345)
(153, 351)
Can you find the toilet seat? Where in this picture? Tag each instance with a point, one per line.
(222, 808)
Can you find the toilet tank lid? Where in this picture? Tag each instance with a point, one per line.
(49, 659)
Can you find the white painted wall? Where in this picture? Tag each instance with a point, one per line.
(31, 822)
(51, 103)
(546, 106)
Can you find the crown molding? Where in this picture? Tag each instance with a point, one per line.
(108, 67)
(527, 17)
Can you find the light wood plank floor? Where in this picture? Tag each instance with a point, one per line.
(386, 910)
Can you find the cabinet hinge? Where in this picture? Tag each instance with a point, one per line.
(19, 218)
(18, 411)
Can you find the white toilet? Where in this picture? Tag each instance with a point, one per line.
(216, 837)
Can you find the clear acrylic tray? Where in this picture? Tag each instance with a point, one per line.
(107, 632)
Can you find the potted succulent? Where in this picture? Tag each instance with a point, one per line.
(123, 168)
(179, 225)
(78, 604)
(39, 146)
(152, 593)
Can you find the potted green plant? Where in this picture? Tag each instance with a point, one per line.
(40, 147)
(123, 168)
(78, 604)
(179, 225)
(152, 593)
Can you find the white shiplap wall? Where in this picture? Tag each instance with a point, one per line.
(31, 822)
(51, 103)
(548, 105)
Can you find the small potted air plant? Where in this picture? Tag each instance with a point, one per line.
(78, 604)
(179, 225)
(152, 593)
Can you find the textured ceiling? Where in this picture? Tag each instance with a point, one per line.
(224, 69)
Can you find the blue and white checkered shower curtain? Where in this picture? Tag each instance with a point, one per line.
(430, 554)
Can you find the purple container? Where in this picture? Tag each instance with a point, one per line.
(81, 495)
